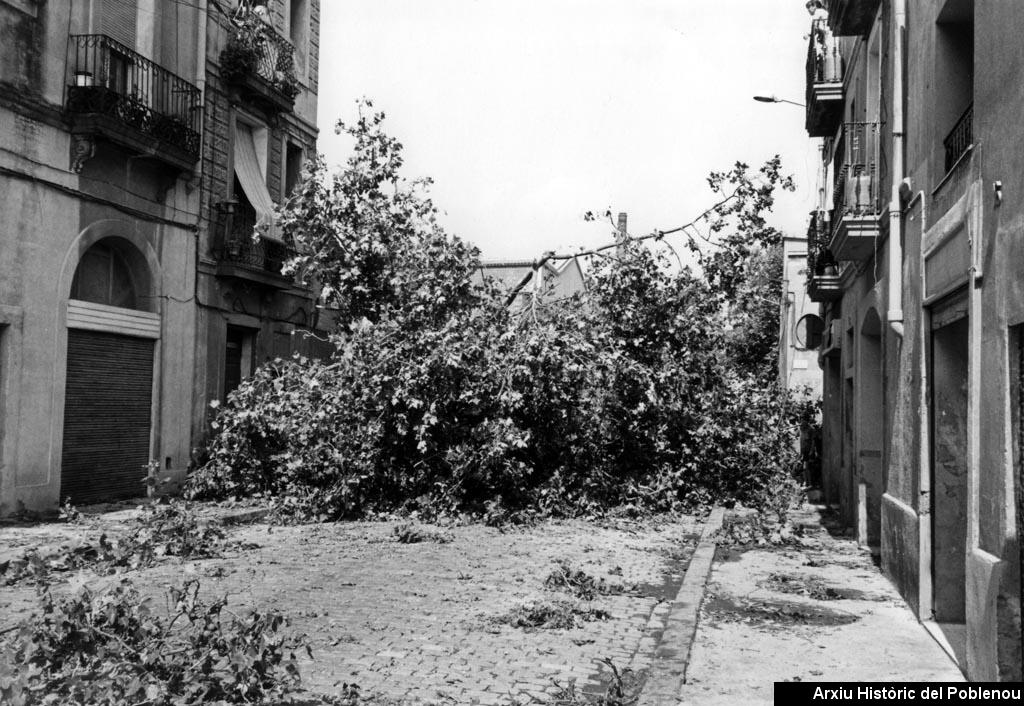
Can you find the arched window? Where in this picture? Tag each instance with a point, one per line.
(104, 276)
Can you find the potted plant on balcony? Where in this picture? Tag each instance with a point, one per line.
(250, 43)
(171, 129)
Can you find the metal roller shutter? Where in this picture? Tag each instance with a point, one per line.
(118, 20)
(107, 412)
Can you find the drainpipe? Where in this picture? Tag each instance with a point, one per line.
(894, 315)
(201, 15)
(202, 7)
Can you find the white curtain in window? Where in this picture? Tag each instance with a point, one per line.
(254, 184)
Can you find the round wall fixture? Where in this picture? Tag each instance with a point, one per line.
(808, 332)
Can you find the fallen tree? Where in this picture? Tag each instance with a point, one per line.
(643, 394)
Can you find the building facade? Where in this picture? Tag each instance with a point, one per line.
(915, 252)
(262, 70)
(118, 138)
(800, 323)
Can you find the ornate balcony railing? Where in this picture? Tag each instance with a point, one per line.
(261, 60)
(128, 90)
(239, 254)
(960, 138)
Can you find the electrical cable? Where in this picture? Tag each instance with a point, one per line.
(128, 210)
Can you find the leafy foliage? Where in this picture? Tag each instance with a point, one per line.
(250, 43)
(111, 647)
(650, 393)
(551, 615)
(623, 690)
(161, 530)
(580, 584)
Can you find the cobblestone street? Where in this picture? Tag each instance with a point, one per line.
(416, 622)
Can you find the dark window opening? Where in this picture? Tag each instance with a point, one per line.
(104, 277)
(954, 80)
(245, 214)
(238, 351)
(293, 168)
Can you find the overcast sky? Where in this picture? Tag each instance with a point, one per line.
(528, 113)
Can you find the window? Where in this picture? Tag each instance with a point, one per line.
(298, 32)
(104, 277)
(238, 353)
(250, 182)
(954, 79)
(292, 167)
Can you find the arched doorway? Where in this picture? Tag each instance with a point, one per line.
(870, 481)
(111, 340)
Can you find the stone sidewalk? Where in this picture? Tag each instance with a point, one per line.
(815, 609)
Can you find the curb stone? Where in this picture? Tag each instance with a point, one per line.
(671, 657)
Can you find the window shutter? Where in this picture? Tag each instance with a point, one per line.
(118, 20)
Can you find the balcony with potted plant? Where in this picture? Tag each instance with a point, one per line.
(118, 95)
(823, 283)
(260, 64)
(244, 253)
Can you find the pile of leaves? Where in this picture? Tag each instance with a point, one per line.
(414, 533)
(550, 615)
(112, 647)
(581, 584)
(441, 399)
(160, 530)
(811, 586)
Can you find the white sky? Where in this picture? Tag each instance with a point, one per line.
(527, 113)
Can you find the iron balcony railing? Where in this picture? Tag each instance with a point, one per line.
(256, 50)
(824, 59)
(857, 173)
(108, 78)
(960, 138)
(237, 246)
(820, 261)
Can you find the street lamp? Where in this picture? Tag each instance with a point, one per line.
(774, 99)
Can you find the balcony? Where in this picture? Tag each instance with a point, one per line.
(852, 17)
(822, 269)
(856, 193)
(240, 256)
(824, 82)
(260, 64)
(960, 139)
(118, 95)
